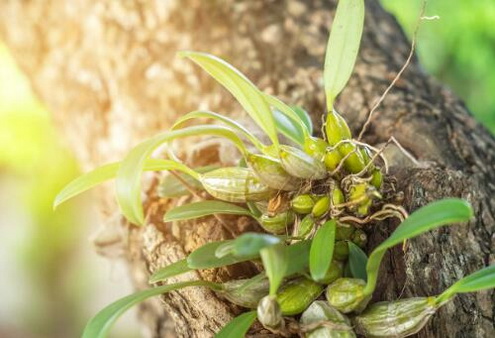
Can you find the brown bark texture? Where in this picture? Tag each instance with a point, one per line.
(109, 73)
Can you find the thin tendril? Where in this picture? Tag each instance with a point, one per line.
(399, 74)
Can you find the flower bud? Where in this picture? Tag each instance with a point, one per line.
(334, 272)
(377, 178)
(344, 231)
(336, 128)
(332, 159)
(299, 164)
(235, 184)
(341, 251)
(246, 292)
(321, 206)
(346, 295)
(277, 224)
(269, 313)
(337, 196)
(362, 194)
(305, 226)
(400, 318)
(271, 173)
(296, 296)
(303, 204)
(315, 147)
(354, 162)
(334, 323)
(359, 238)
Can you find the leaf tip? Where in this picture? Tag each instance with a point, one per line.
(184, 53)
(56, 203)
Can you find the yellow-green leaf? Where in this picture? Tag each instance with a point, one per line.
(205, 257)
(275, 261)
(238, 327)
(170, 186)
(321, 253)
(228, 121)
(429, 217)
(288, 127)
(480, 280)
(342, 47)
(248, 95)
(357, 261)
(99, 175)
(171, 270)
(305, 118)
(204, 208)
(100, 324)
(249, 244)
(128, 182)
(289, 112)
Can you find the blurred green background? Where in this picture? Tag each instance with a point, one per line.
(52, 280)
(458, 48)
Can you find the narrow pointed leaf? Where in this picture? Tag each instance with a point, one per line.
(287, 111)
(429, 217)
(228, 121)
(238, 327)
(254, 209)
(275, 260)
(305, 118)
(288, 127)
(357, 261)
(174, 269)
(298, 257)
(204, 208)
(321, 252)
(241, 87)
(170, 186)
(100, 324)
(480, 280)
(342, 47)
(205, 258)
(128, 183)
(99, 175)
(250, 244)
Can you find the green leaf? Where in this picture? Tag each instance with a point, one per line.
(298, 257)
(100, 324)
(357, 261)
(321, 253)
(240, 87)
(480, 280)
(174, 269)
(304, 117)
(128, 181)
(170, 186)
(228, 121)
(288, 127)
(287, 111)
(275, 261)
(205, 258)
(342, 47)
(429, 217)
(99, 175)
(253, 208)
(204, 208)
(238, 327)
(250, 244)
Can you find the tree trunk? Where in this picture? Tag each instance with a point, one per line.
(108, 71)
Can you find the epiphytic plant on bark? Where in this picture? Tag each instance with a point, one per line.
(313, 198)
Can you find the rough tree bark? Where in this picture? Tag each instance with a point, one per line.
(108, 72)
